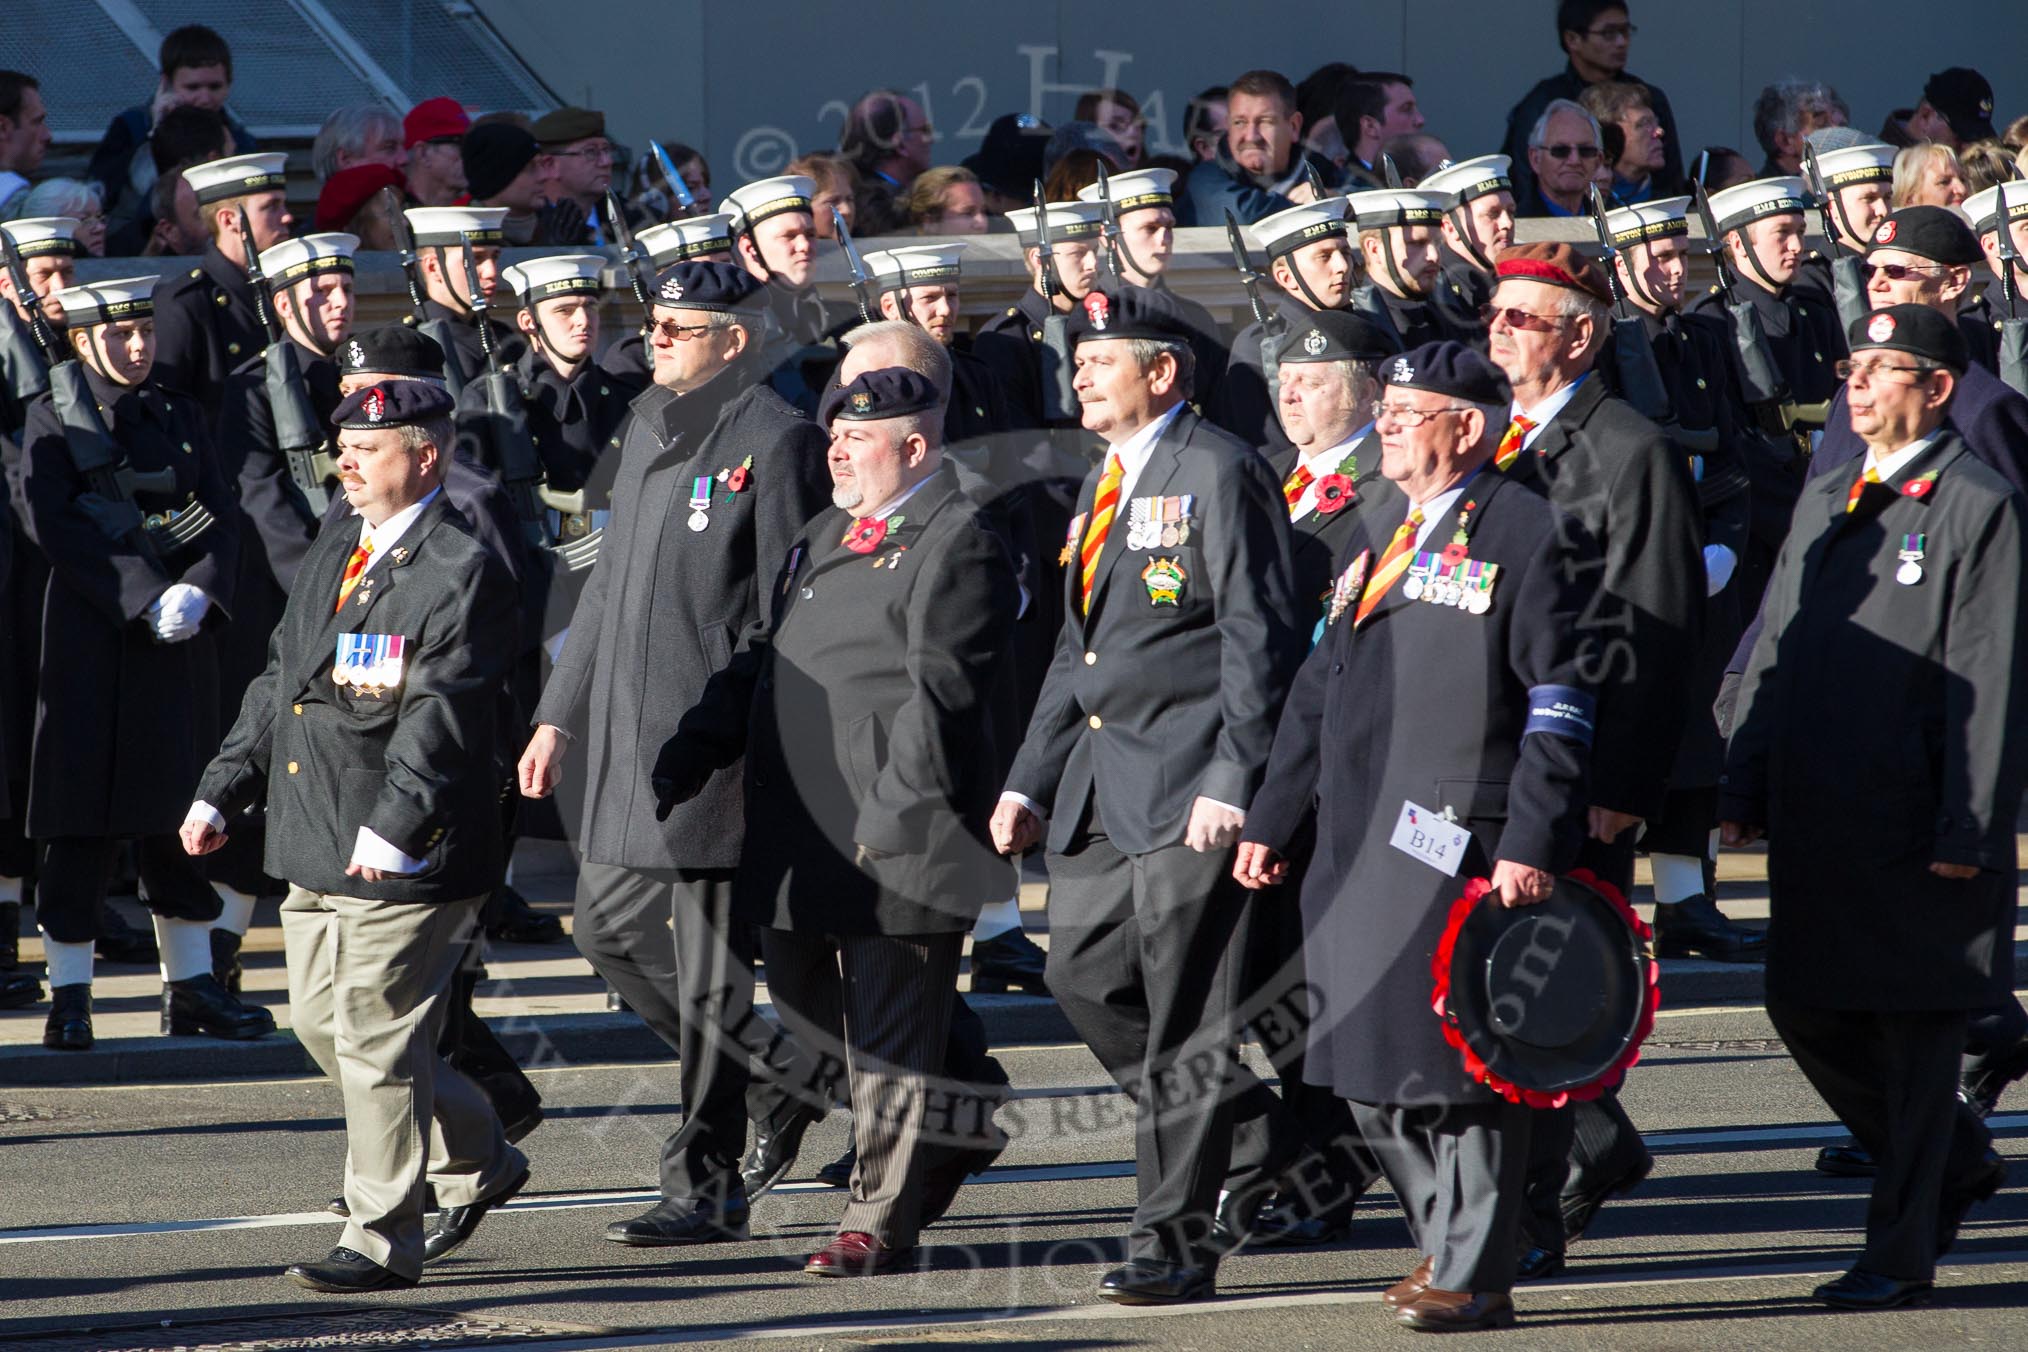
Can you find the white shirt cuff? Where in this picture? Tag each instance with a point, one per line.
(370, 851)
(1237, 811)
(1009, 796)
(201, 811)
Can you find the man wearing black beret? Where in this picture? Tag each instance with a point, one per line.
(1148, 739)
(369, 738)
(1456, 594)
(1896, 610)
(865, 717)
(717, 477)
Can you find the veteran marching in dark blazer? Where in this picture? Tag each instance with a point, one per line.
(142, 559)
(1896, 608)
(869, 756)
(369, 738)
(717, 476)
(1455, 596)
(1615, 474)
(206, 322)
(1150, 736)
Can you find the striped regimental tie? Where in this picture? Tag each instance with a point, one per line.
(354, 566)
(1103, 507)
(1871, 476)
(1510, 443)
(1392, 565)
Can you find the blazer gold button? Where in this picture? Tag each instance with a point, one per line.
(292, 767)
(1094, 721)
(299, 711)
(1091, 659)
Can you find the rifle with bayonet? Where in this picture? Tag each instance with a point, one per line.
(110, 483)
(677, 187)
(1059, 371)
(1109, 224)
(1848, 283)
(1761, 384)
(1270, 340)
(867, 311)
(1388, 170)
(1640, 377)
(2013, 329)
(300, 435)
(1314, 179)
(436, 330)
(639, 276)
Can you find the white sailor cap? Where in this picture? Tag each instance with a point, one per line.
(1135, 190)
(35, 236)
(1870, 163)
(1378, 207)
(1067, 220)
(1644, 222)
(752, 203)
(104, 302)
(447, 227)
(1286, 231)
(237, 176)
(1764, 197)
(691, 237)
(1462, 180)
(917, 265)
(294, 259)
(1984, 207)
(540, 279)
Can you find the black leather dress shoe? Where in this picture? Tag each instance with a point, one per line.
(1278, 1222)
(69, 1025)
(121, 942)
(838, 1173)
(1847, 1159)
(19, 990)
(1862, 1290)
(674, 1223)
(773, 1154)
(1008, 960)
(1437, 1311)
(511, 920)
(344, 1271)
(1143, 1282)
(1580, 1203)
(1695, 927)
(225, 946)
(200, 1005)
(455, 1224)
(1537, 1263)
(1984, 1084)
(1988, 1179)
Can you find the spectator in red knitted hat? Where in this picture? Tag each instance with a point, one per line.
(355, 200)
(432, 132)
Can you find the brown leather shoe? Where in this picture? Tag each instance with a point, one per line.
(855, 1253)
(1409, 1287)
(1437, 1311)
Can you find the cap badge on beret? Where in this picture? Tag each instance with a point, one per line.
(1985, 107)
(1314, 342)
(1099, 308)
(672, 289)
(374, 406)
(1403, 372)
(862, 402)
(1880, 328)
(1885, 234)
(355, 355)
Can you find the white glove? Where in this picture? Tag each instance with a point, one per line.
(1719, 562)
(177, 614)
(1213, 826)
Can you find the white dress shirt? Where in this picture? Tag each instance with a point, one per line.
(1891, 464)
(1439, 507)
(368, 849)
(1321, 463)
(1543, 412)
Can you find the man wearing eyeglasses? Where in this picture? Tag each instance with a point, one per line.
(575, 140)
(1896, 610)
(1564, 150)
(1619, 477)
(717, 477)
(1596, 36)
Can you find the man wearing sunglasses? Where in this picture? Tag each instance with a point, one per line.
(1896, 609)
(717, 477)
(1618, 476)
(1564, 149)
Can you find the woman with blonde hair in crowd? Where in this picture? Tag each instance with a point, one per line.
(1986, 163)
(1928, 175)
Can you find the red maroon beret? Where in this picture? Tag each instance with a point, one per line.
(1556, 264)
(346, 191)
(438, 119)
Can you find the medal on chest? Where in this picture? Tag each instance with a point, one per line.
(1160, 523)
(1910, 554)
(700, 501)
(369, 663)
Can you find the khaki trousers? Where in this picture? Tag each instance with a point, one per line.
(367, 987)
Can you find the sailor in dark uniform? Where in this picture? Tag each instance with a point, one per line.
(206, 323)
(920, 285)
(774, 236)
(1399, 239)
(442, 236)
(139, 585)
(1311, 260)
(1144, 205)
(1478, 223)
(694, 239)
(1994, 307)
(1858, 184)
(1014, 343)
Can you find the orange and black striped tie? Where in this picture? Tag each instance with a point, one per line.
(1391, 566)
(1871, 476)
(1510, 444)
(1104, 504)
(354, 566)
(1293, 486)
